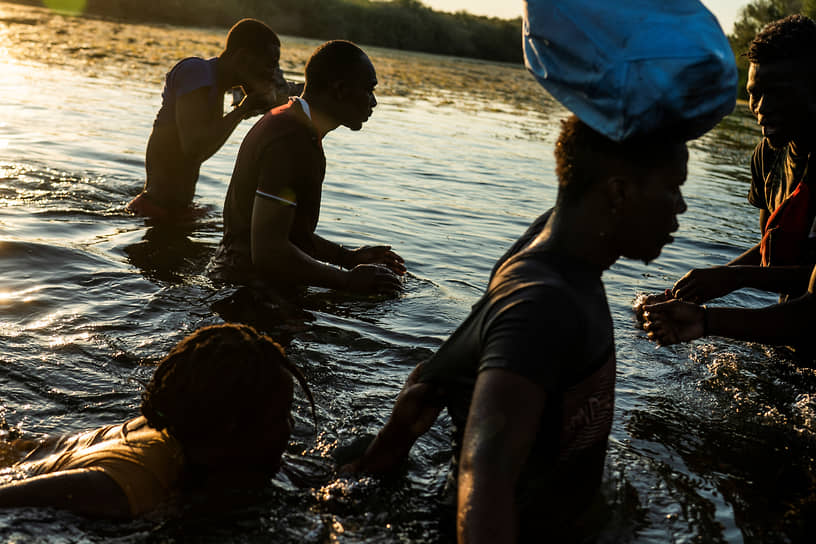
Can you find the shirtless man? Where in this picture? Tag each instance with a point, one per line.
(528, 379)
(191, 126)
(273, 201)
(782, 95)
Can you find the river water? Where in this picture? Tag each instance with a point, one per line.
(712, 441)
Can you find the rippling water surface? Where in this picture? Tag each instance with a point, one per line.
(712, 442)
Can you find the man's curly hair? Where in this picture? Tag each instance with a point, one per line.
(584, 156)
(793, 37)
(219, 378)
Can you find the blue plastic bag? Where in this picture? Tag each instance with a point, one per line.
(633, 67)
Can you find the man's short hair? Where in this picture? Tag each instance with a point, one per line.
(332, 61)
(251, 35)
(793, 37)
(584, 157)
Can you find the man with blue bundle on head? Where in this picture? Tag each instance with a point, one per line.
(528, 379)
(191, 126)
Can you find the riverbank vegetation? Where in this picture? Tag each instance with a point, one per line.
(397, 24)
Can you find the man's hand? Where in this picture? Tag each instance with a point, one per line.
(674, 322)
(377, 255)
(373, 278)
(260, 102)
(703, 284)
(644, 300)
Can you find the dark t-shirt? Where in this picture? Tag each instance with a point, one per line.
(186, 76)
(281, 158)
(546, 318)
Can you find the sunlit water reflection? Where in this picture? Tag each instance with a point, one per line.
(712, 441)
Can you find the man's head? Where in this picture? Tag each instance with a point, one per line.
(341, 79)
(636, 184)
(253, 49)
(782, 79)
(224, 393)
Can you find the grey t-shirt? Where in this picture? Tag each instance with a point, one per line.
(545, 317)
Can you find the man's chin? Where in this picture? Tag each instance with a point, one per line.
(777, 141)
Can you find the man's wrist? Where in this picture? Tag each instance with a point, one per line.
(344, 258)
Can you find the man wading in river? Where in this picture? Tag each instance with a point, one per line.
(273, 201)
(528, 379)
(191, 126)
(782, 95)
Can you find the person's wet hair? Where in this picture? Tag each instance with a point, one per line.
(251, 35)
(584, 157)
(793, 37)
(333, 61)
(218, 379)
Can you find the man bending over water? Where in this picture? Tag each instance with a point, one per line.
(528, 379)
(191, 126)
(273, 201)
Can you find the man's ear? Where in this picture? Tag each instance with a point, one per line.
(338, 90)
(618, 191)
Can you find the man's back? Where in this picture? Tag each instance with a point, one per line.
(544, 317)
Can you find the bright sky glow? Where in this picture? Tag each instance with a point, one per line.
(725, 10)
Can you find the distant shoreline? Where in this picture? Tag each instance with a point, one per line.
(100, 47)
(406, 25)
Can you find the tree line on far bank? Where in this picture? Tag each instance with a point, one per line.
(398, 24)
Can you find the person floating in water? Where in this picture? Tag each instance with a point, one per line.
(528, 378)
(782, 96)
(273, 201)
(191, 126)
(216, 413)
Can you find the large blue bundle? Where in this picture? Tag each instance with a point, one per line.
(633, 67)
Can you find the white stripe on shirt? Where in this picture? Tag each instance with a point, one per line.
(275, 197)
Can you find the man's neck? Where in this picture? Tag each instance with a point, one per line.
(571, 231)
(322, 121)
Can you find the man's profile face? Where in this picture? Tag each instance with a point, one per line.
(780, 95)
(653, 202)
(358, 99)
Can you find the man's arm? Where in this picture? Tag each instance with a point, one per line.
(281, 261)
(750, 257)
(84, 491)
(201, 131)
(502, 424)
(788, 323)
(328, 251)
(415, 410)
(701, 285)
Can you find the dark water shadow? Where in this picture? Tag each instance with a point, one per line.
(168, 254)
